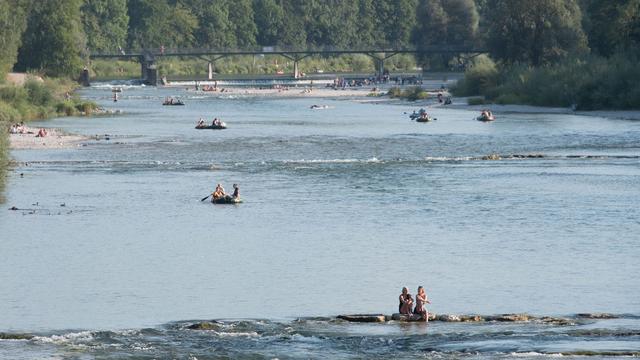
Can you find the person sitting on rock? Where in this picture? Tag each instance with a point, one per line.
(406, 302)
(421, 300)
(42, 133)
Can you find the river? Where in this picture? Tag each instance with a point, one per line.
(342, 207)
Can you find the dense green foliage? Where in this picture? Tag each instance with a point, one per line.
(13, 21)
(107, 22)
(53, 42)
(588, 83)
(536, 32)
(541, 50)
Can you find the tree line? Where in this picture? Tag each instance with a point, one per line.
(55, 37)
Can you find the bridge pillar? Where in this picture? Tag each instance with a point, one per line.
(148, 70)
(210, 68)
(379, 68)
(84, 77)
(296, 70)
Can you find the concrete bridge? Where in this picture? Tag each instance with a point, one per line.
(148, 57)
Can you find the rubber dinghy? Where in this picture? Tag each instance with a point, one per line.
(226, 200)
(211, 127)
(427, 119)
(174, 103)
(485, 118)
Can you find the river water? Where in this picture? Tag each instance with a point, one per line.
(343, 206)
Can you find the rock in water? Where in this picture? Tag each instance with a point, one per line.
(367, 318)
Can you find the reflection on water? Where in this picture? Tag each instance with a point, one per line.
(342, 207)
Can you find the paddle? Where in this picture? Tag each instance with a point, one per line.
(205, 198)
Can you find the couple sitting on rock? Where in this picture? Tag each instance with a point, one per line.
(406, 303)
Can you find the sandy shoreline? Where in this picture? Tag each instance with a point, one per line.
(55, 139)
(296, 92)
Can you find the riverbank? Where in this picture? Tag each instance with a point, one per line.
(55, 139)
(460, 103)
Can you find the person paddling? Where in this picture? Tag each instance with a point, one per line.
(218, 193)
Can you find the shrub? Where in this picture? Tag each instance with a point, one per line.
(38, 93)
(476, 101)
(415, 93)
(482, 75)
(394, 92)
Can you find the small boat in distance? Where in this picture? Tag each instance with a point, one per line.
(216, 124)
(211, 127)
(486, 116)
(425, 119)
(172, 102)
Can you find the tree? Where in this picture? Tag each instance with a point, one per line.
(105, 24)
(13, 21)
(536, 32)
(53, 41)
(397, 20)
(613, 25)
(293, 33)
(155, 23)
(242, 18)
(367, 33)
(329, 23)
(215, 29)
(268, 16)
(444, 23)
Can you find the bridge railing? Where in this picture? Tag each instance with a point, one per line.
(162, 51)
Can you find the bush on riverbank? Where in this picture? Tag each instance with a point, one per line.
(412, 93)
(588, 83)
(39, 100)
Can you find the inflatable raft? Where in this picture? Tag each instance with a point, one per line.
(211, 127)
(226, 200)
(174, 103)
(485, 118)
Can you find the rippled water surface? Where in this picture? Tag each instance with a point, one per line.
(342, 207)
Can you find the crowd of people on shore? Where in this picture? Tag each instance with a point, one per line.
(20, 128)
(407, 303)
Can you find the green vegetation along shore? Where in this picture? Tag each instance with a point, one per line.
(582, 54)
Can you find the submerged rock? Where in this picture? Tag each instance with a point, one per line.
(205, 325)
(449, 318)
(367, 318)
(471, 318)
(597, 316)
(491, 157)
(510, 317)
(556, 321)
(9, 336)
(403, 317)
